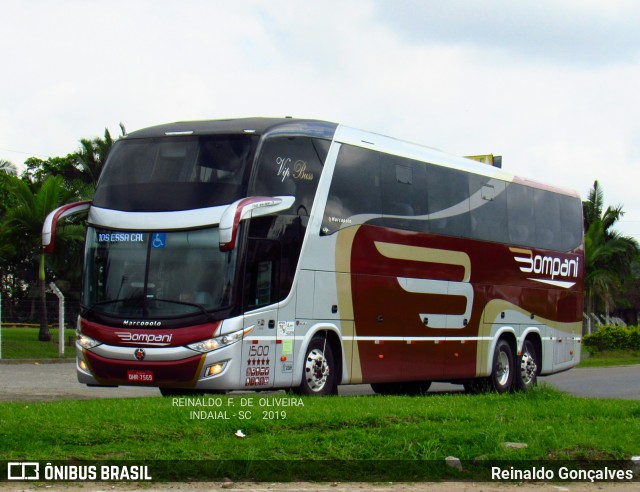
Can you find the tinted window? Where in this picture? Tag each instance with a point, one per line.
(520, 214)
(175, 173)
(570, 221)
(403, 193)
(547, 220)
(289, 166)
(386, 190)
(488, 203)
(354, 196)
(261, 273)
(274, 246)
(448, 201)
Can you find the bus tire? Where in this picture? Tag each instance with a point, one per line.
(410, 388)
(319, 369)
(503, 367)
(526, 374)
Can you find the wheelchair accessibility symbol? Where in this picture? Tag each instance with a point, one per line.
(159, 240)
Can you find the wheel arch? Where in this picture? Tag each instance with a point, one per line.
(507, 333)
(333, 338)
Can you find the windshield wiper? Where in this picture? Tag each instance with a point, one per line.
(143, 305)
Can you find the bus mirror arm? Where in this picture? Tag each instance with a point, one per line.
(51, 222)
(254, 206)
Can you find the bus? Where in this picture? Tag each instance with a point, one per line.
(283, 253)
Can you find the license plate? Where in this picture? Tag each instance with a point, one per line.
(140, 376)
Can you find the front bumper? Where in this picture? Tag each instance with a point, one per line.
(171, 367)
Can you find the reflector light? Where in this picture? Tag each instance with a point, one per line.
(214, 369)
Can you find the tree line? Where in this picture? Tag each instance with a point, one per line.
(26, 200)
(612, 279)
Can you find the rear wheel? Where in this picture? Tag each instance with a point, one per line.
(503, 367)
(319, 369)
(526, 374)
(408, 388)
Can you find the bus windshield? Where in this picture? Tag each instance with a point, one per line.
(156, 274)
(177, 173)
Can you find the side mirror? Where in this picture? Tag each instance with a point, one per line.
(241, 209)
(51, 222)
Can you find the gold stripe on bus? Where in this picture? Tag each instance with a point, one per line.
(426, 255)
(344, 245)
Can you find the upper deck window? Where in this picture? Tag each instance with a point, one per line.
(176, 173)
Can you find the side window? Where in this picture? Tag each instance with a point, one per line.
(448, 201)
(354, 195)
(403, 193)
(488, 203)
(571, 222)
(520, 214)
(274, 240)
(290, 166)
(261, 273)
(548, 230)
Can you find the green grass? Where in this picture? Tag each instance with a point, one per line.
(23, 343)
(611, 358)
(366, 429)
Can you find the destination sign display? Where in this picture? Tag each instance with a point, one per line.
(121, 237)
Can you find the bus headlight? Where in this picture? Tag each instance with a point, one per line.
(87, 342)
(219, 342)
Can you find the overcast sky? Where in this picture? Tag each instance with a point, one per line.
(551, 85)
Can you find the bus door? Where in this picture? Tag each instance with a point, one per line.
(260, 297)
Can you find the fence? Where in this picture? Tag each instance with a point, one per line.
(592, 322)
(27, 310)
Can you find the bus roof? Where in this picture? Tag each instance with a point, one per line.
(257, 126)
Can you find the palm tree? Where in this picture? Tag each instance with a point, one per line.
(92, 156)
(609, 256)
(8, 167)
(26, 219)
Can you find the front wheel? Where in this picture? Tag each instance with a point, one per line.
(526, 376)
(503, 367)
(319, 369)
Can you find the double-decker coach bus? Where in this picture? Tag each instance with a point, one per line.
(285, 253)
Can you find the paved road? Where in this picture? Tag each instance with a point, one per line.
(44, 382)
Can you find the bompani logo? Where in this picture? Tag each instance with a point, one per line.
(156, 339)
(553, 270)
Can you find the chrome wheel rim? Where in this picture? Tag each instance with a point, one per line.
(316, 370)
(528, 368)
(502, 369)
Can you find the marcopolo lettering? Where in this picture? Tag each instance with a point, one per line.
(142, 324)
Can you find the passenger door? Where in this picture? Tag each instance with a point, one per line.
(260, 296)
